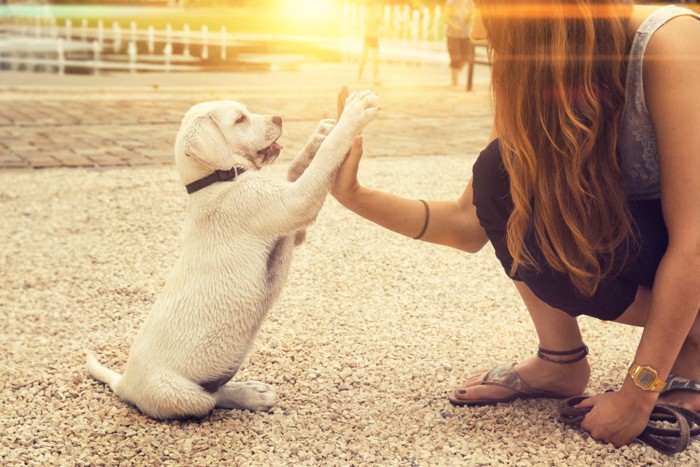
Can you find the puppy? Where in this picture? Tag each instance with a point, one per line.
(237, 245)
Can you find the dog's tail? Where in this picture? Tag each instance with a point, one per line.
(102, 373)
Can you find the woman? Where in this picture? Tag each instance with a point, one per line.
(590, 194)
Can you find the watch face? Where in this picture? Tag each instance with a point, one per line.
(647, 378)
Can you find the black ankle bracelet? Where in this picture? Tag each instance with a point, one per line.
(544, 354)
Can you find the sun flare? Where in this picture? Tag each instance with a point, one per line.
(311, 10)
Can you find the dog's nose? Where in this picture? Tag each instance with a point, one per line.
(277, 120)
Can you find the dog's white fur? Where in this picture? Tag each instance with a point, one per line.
(237, 243)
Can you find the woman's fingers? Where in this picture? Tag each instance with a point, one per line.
(356, 150)
(346, 179)
(342, 97)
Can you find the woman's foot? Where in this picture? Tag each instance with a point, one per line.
(689, 399)
(687, 367)
(564, 380)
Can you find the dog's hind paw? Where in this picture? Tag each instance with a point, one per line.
(251, 395)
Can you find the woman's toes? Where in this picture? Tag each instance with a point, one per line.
(483, 391)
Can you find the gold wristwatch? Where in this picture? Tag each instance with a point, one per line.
(646, 378)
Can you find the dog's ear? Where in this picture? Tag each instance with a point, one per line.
(205, 142)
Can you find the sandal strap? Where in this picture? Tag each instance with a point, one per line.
(671, 413)
(580, 352)
(569, 414)
(679, 383)
(507, 377)
(668, 441)
(665, 440)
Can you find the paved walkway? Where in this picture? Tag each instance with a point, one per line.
(47, 120)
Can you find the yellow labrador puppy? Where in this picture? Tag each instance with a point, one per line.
(237, 243)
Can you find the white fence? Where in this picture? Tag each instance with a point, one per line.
(39, 43)
(42, 43)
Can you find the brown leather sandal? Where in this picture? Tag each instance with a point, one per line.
(506, 376)
(665, 440)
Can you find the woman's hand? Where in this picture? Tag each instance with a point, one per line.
(345, 184)
(617, 417)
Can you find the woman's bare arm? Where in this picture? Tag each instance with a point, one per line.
(451, 223)
(672, 67)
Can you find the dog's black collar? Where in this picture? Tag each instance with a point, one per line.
(217, 176)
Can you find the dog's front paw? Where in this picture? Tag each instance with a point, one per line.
(319, 134)
(302, 161)
(251, 395)
(316, 139)
(361, 107)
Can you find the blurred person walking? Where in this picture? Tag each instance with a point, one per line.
(459, 46)
(372, 28)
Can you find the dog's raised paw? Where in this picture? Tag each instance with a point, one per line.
(361, 107)
(250, 395)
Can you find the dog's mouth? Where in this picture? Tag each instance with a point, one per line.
(270, 153)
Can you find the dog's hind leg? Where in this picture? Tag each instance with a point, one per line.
(171, 397)
(251, 395)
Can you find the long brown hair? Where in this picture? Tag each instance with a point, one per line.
(558, 84)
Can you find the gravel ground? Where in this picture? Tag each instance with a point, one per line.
(370, 334)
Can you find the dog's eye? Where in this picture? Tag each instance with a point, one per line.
(241, 119)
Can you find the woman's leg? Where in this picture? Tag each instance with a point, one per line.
(453, 51)
(454, 73)
(557, 331)
(687, 364)
(363, 60)
(375, 64)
